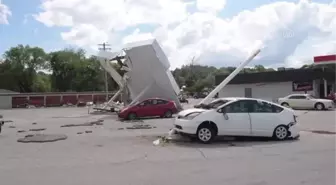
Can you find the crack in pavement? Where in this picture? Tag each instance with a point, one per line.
(130, 160)
(202, 153)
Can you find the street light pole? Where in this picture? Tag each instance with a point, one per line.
(105, 48)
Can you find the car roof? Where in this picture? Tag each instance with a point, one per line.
(238, 98)
(155, 99)
(298, 94)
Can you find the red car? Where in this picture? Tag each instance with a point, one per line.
(149, 108)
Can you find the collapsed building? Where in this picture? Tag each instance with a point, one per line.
(147, 74)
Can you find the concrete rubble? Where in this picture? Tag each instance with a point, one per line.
(92, 123)
(42, 138)
(165, 139)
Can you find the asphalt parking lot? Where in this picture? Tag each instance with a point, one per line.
(113, 154)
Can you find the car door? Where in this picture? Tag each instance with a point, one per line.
(297, 101)
(162, 107)
(309, 102)
(263, 117)
(144, 109)
(233, 119)
(156, 108)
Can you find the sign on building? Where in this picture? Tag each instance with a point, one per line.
(303, 86)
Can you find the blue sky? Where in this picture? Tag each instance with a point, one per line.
(24, 29)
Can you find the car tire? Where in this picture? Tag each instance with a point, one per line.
(285, 104)
(131, 116)
(205, 134)
(319, 106)
(168, 114)
(281, 132)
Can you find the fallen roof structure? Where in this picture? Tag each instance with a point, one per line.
(230, 77)
(147, 73)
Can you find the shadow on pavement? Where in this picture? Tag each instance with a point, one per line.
(228, 142)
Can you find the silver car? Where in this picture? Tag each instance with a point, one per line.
(305, 101)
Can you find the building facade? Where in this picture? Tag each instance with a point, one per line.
(275, 84)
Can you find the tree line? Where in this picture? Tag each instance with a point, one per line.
(32, 69)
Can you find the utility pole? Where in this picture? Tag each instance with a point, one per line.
(104, 47)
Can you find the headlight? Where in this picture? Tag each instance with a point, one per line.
(192, 115)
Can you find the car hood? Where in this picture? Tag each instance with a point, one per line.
(188, 111)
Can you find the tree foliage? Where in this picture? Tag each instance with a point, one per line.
(31, 69)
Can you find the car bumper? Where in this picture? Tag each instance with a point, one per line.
(332, 106)
(185, 126)
(294, 131)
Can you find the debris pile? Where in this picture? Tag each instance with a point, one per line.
(162, 140)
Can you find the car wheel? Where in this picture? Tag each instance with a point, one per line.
(168, 114)
(280, 132)
(205, 134)
(132, 116)
(319, 106)
(285, 105)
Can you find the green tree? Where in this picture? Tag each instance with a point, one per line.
(72, 71)
(21, 63)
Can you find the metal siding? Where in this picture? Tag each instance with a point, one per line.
(53, 101)
(36, 100)
(19, 101)
(147, 71)
(99, 98)
(279, 76)
(85, 98)
(5, 102)
(70, 99)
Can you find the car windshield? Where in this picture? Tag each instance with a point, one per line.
(216, 104)
(311, 96)
(213, 105)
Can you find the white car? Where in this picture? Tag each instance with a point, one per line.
(238, 117)
(305, 101)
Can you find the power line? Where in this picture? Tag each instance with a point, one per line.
(104, 47)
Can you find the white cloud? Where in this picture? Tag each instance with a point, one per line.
(4, 13)
(291, 32)
(137, 36)
(210, 5)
